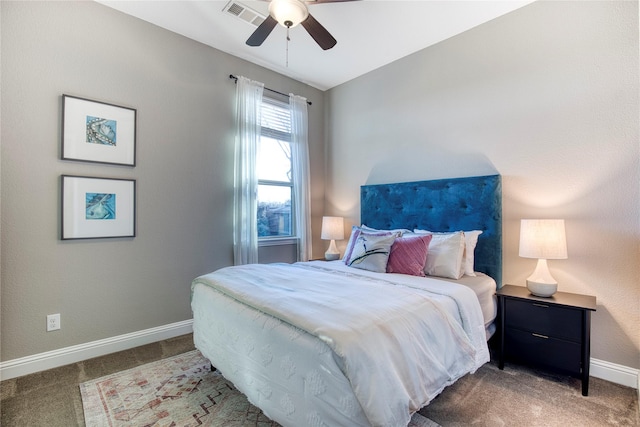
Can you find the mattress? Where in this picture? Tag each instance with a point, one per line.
(485, 289)
(305, 372)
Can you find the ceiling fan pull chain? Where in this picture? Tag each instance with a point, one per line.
(288, 40)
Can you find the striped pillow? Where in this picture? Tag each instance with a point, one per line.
(409, 255)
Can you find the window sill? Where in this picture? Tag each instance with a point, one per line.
(278, 241)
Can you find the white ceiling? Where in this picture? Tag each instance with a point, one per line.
(370, 33)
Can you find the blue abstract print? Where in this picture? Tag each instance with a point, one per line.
(101, 131)
(100, 206)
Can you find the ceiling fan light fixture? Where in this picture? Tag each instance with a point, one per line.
(288, 13)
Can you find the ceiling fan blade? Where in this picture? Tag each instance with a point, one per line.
(262, 32)
(319, 33)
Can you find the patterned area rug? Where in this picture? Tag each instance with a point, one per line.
(178, 391)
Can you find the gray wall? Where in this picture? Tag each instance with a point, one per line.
(185, 104)
(547, 96)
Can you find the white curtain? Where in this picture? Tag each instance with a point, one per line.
(245, 223)
(300, 160)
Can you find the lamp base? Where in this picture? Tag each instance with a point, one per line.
(331, 256)
(542, 289)
(332, 253)
(541, 283)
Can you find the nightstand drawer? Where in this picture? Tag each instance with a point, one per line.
(540, 350)
(545, 319)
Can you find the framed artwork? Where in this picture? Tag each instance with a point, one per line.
(98, 207)
(96, 132)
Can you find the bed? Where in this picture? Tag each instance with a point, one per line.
(326, 344)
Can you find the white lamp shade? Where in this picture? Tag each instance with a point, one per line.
(332, 228)
(543, 239)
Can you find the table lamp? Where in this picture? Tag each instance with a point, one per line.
(332, 229)
(542, 239)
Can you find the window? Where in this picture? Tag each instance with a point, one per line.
(271, 176)
(274, 172)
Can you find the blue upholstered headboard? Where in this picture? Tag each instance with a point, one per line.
(454, 204)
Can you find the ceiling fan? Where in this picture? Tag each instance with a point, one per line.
(290, 13)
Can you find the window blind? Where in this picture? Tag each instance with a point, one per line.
(275, 119)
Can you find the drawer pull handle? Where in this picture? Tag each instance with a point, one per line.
(541, 305)
(539, 335)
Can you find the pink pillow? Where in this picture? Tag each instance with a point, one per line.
(409, 255)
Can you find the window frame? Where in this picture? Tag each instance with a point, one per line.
(278, 135)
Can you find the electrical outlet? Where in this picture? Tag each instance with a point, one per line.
(53, 322)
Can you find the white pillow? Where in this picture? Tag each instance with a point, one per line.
(371, 252)
(446, 251)
(400, 231)
(468, 257)
(470, 241)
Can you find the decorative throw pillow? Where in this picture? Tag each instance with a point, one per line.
(409, 255)
(401, 231)
(470, 241)
(446, 251)
(371, 252)
(355, 233)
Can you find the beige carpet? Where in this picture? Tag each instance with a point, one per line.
(178, 391)
(518, 396)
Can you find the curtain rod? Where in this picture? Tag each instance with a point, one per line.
(232, 77)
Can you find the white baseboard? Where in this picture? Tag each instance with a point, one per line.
(615, 373)
(64, 356)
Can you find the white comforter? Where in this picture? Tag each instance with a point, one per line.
(399, 339)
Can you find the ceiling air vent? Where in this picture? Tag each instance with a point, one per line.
(245, 13)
